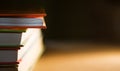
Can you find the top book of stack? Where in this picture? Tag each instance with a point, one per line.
(21, 7)
(21, 14)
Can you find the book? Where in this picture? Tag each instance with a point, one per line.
(8, 69)
(8, 55)
(19, 28)
(32, 50)
(22, 15)
(26, 56)
(13, 30)
(15, 15)
(22, 23)
(12, 39)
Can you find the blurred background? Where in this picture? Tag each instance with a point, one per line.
(95, 19)
(81, 35)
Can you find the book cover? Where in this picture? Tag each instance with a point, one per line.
(22, 23)
(8, 69)
(8, 55)
(10, 39)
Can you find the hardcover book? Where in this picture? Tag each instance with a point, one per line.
(22, 23)
(8, 69)
(10, 39)
(8, 55)
(20, 27)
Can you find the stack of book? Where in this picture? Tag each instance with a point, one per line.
(20, 40)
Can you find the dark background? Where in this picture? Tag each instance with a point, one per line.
(77, 20)
(21, 5)
(82, 19)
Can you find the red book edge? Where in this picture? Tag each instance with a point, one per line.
(23, 15)
(7, 63)
(10, 47)
(22, 27)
